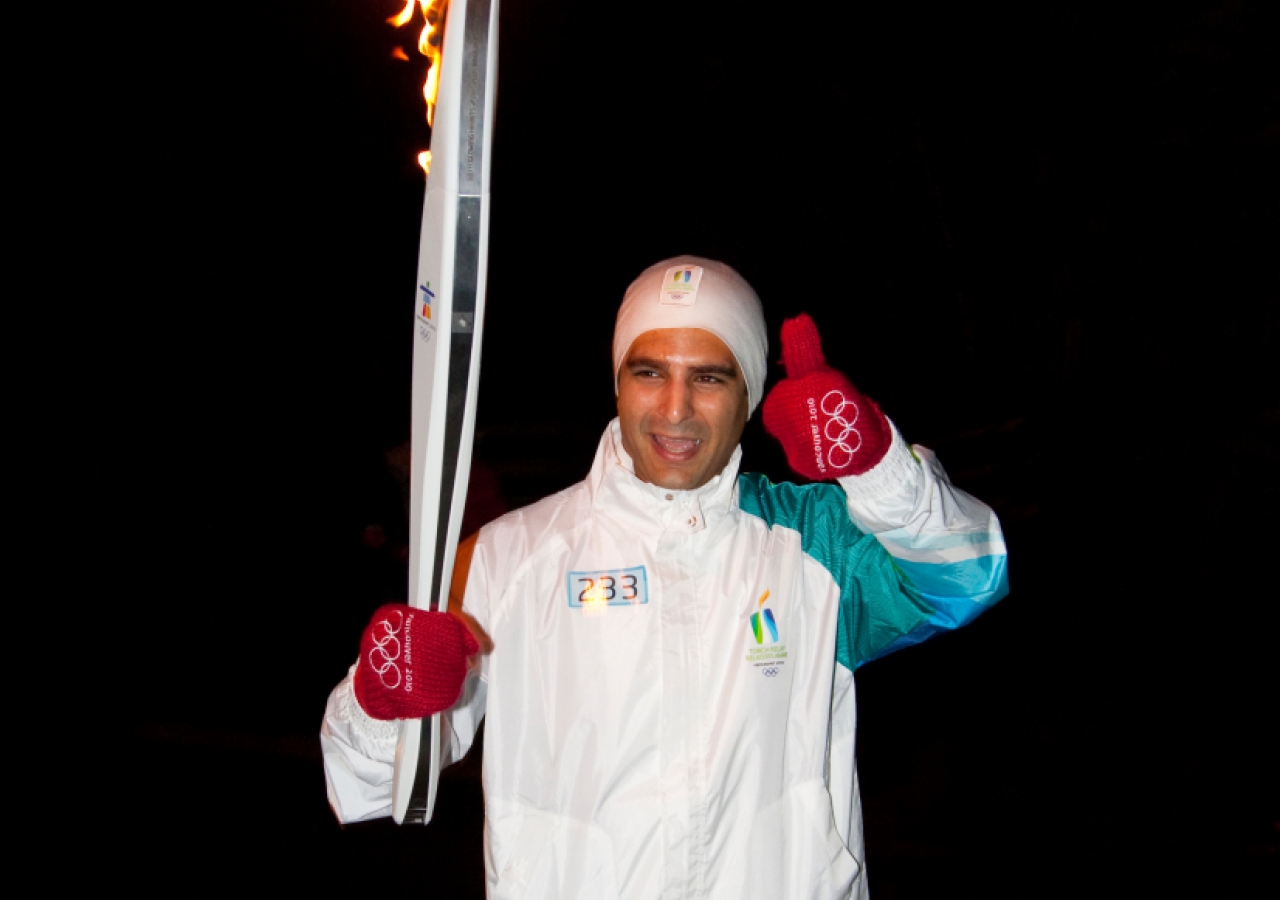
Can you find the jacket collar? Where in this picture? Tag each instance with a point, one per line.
(614, 486)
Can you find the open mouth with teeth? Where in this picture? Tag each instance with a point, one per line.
(675, 449)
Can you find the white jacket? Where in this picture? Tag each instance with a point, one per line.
(669, 701)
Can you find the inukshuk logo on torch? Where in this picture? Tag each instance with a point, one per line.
(430, 42)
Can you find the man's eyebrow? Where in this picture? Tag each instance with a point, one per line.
(713, 369)
(647, 362)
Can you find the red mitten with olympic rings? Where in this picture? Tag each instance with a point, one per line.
(826, 427)
(412, 662)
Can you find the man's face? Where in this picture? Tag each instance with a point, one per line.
(682, 403)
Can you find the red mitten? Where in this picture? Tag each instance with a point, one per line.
(412, 662)
(826, 427)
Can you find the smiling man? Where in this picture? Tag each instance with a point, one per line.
(664, 652)
(682, 405)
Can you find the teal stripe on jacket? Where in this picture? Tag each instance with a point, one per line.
(877, 604)
(885, 603)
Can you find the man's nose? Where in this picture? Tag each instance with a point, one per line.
(677, 401)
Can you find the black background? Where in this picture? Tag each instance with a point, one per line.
(1043, 236)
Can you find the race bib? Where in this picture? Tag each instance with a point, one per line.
(608, 587)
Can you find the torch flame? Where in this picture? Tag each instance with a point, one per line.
(403, 17)
(430, 42)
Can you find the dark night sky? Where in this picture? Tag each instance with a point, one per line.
(1043, 237)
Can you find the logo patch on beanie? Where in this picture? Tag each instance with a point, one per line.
(680, 286)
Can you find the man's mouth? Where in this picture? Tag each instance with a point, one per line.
(675, 449)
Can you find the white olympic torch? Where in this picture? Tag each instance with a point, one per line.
(448, 319)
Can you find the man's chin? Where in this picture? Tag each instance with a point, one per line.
(674, 478)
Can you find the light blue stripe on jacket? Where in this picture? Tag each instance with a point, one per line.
(957, 591)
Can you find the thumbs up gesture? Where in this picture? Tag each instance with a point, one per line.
(826, 427)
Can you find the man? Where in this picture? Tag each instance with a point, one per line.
(669, 646)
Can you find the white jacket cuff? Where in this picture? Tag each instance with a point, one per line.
(887, 477)
(359, 754)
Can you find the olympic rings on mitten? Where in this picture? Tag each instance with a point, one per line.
(826, 427)
(412, 662)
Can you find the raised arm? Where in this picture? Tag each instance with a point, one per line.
(946, 556)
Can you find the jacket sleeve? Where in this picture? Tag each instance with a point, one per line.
(912, 556)
(359, 752)
(945, 548)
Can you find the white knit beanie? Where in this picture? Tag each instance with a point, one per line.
(692, 292)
